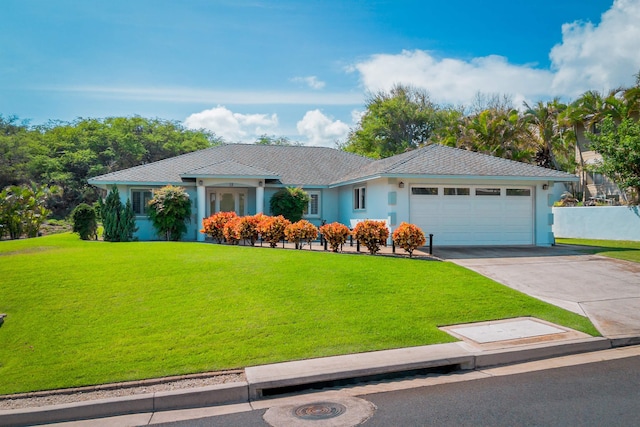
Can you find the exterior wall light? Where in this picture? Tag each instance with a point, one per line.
(200, 182)
(401, 184)
(260, 183)
(545, 186)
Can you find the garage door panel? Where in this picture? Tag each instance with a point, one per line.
(475, 220)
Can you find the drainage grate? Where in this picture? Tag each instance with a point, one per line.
(439, 370)
(319, 411)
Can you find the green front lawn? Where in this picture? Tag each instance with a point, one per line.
(620, 249)
(84, 313)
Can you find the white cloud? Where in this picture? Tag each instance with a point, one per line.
(453, 80)
(599, 57)
(590, 56)
(234, 127)
(311, 81)
(321, 130)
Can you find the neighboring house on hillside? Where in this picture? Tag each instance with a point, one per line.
(462, 197)
(593, 185)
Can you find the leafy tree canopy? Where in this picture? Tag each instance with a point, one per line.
(619, 145)
(67, 154)
(394, 122)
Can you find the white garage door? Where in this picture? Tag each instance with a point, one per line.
(473, 215)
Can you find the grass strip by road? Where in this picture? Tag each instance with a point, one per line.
(620, 249)
(83, 313)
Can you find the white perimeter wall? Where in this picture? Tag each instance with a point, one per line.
(597, 222)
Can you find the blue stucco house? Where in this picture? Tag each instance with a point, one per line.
(462, 197)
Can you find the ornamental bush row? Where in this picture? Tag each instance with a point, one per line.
(230, 228)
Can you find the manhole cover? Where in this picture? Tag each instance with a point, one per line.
(319, 411)
(330, 410)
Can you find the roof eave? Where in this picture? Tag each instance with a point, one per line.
(461, 177)
(100, 183)
(228, 176)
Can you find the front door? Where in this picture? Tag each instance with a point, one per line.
(227, 200)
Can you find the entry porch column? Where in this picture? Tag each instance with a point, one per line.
(260, 198)
(201, 203)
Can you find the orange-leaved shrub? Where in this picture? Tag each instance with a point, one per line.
(247, 227)
(214, 225)
(336, 234)
(371, 234)
(409, 237)
(231, 231)
(271, 228)
(301, 231)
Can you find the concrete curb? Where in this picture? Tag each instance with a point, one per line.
(308, 372)
(142, 403)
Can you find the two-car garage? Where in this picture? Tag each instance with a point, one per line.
(474, 215)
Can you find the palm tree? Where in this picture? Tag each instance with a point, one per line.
(501, 133)
(547, 132)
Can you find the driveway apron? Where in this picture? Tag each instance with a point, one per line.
(604, 289)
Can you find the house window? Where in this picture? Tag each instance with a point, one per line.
(518, 192)
(359, 198)
(313, 208)
(598, 179)
(487, 191)
(140, 200)
(424, 191)
(456, 191)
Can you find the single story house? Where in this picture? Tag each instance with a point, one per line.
(462, 197)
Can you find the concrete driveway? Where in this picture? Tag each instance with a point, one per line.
(604, 289)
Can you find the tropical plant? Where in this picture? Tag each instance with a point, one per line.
(552, 150)
(214, 225)
(22, 209)
(271, 229)
(84, 222)
(371, 234)
(408, 237)
(301, 231)
(169, 211)
(289, 202)
(498, 132)
(336, 234)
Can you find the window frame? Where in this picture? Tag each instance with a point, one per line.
(518, 192)
(360, 198)
(487, 192)
(416, 190)
(143, 205)
(457, 191)
(307, 211)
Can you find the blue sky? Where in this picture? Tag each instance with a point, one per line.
(300, 69)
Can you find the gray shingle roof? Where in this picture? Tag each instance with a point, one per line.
(441, 160)
(294, 165)
(321, 166)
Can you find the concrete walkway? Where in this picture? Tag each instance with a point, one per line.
(604, 289)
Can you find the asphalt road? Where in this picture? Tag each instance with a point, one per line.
(597, 394)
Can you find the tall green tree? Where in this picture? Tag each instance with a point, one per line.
(547, 133)
(265, 139)
(118, 219)
(619, 145)
(498, 132)
(394, 122)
